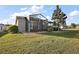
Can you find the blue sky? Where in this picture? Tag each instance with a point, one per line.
(8, 13)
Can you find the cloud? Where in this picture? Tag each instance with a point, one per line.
(74, 13)
(72, 17)
(34, 9)
(24, 12)
(23, 9)
(7, 21)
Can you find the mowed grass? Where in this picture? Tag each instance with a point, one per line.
(59, 42)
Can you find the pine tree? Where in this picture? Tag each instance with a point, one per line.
(59, 18)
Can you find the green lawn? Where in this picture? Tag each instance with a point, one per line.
(43, 42)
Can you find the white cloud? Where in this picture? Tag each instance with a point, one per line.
(71, 17)
(7, 21)
(36, 9)
(31, 10)
(74, 13)
(25, 13)
(23, 9)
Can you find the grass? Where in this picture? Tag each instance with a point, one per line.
(60, 42)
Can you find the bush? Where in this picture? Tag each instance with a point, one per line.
(49, 28)
(55, 28)
(13, 29)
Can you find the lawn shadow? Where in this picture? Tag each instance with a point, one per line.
(2, 34)
(66, 34)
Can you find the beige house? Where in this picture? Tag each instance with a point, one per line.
(34, 22)
(77, 25)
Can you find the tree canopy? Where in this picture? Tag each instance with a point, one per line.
(59, 17)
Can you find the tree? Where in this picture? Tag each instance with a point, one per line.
(73, 25)
(59, 18)
(13, 29)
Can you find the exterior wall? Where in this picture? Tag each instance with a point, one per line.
(34, 24)
(38, 24)
(2, 27)
(77, 26)
(21, 24)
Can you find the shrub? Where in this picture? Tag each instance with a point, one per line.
(49, 28)
(13, 29)
(55, 28)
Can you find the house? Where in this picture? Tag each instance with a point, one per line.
(77, 25)
(73, 25)
(2, 28)
(34, 22)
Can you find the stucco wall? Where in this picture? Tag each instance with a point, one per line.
(21, 24)
(34, 24)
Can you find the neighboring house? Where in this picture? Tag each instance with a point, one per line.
(2, 28)
(34, 22)
(73, 25)
(77, 25)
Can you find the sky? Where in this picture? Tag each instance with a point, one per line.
(8, 13)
